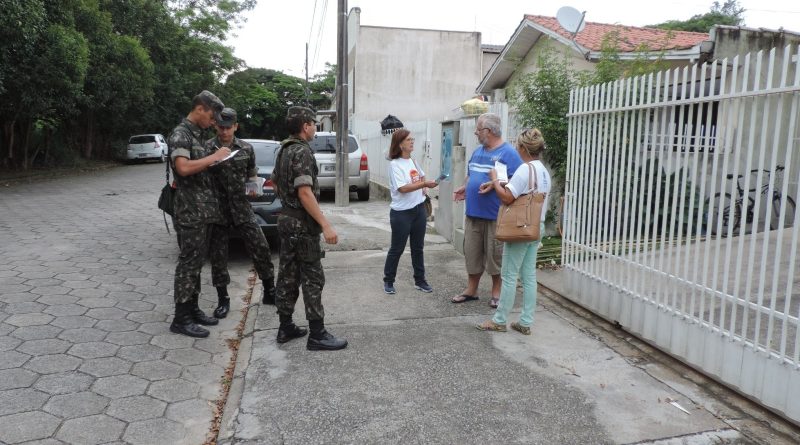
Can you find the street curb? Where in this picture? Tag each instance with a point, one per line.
(234, 399)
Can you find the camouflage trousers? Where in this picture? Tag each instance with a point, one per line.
(300, 266)
(194, 242)
(255, 243)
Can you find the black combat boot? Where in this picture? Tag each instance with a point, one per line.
(199, 316)
(288, 330)
(223, 302)
(322, 340)
(183, 322)
(269, 293)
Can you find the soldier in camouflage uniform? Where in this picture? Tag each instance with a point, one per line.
(196, 208)
(237, 214)
(299, 225)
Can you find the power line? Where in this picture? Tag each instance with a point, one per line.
(320, 33)
(311, 29)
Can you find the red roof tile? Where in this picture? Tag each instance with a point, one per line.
(630, 37)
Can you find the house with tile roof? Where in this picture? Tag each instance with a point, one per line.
(535, 32)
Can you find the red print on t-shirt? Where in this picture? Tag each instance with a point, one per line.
(414, 176)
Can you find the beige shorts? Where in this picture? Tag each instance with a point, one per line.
(481, 251)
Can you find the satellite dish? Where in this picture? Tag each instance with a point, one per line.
(571, 19)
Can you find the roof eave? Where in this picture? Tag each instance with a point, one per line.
(492, 80)
(672, 54)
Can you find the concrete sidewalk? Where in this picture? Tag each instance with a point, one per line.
(417, 370)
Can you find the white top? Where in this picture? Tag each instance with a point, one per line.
(519, 181)
(403, 172)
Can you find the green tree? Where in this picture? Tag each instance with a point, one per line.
(44, 80)
(210, 18)
(261, 97)
(727, 13)
(80, 76)
(541, 99)
(322, 87)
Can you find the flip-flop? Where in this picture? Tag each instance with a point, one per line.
(464, 298)
(494, 302)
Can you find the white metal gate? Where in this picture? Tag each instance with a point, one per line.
(680, 216)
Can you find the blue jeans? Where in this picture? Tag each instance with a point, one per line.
(519, 260)
(406, 223)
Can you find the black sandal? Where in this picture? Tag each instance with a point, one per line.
(464, 298)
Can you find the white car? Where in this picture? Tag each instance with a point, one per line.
(324, 147)
(146, 146)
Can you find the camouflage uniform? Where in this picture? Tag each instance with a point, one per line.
(301, 252)
(196, 208)
(237, 214)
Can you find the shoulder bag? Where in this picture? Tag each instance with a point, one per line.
(167, 198)
(520, 220)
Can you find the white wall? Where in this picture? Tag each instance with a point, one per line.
(414, 74)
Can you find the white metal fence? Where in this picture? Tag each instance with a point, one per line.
(680, 216)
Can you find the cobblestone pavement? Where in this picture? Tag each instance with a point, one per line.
(86, 356)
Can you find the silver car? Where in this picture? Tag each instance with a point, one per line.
(146, 146)
(324, 146)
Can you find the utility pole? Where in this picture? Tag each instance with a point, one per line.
(308, 104)
(342, 173)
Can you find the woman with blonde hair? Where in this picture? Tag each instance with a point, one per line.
(408, 217)
(519, 258)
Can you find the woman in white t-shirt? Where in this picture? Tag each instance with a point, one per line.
(519, 258)
(407, 215)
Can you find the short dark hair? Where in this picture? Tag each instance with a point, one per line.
(397, 138)
(295, 124)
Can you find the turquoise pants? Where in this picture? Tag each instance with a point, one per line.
(519, 260)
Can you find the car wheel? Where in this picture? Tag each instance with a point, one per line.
(363, 194)
(163, 157)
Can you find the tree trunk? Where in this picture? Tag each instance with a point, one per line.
(46, 145)
(9, 127)
(26, 144)
(89, 139)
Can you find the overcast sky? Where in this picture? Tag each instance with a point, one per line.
(277, 31)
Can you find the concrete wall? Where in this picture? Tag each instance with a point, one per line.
(414, 74)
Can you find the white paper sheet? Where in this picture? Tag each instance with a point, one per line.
(233, 153)
(502, 171)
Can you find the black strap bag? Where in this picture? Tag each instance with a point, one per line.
(166, 201)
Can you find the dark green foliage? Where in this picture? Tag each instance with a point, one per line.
(542, 101)
(262, 97)
(668, 193)
(729, 13)
(79, 76)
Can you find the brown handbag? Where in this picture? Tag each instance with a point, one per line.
(520, 220)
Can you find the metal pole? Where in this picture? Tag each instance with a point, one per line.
(342, 173)
(305, 87)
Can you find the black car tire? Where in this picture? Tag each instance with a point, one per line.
(363, 194)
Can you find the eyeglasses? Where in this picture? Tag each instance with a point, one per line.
(410, 139)
(478, 130)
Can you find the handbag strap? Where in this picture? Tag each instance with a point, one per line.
(169, 161)
(532, 179)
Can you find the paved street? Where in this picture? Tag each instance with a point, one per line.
(86, 355)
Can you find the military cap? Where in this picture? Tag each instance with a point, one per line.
(210, 100)
(302, 112)
(227, 117)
